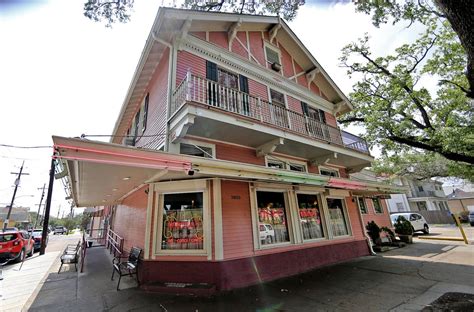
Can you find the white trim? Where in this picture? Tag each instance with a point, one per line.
(329, 169)
(218, 232)
(197, 143)
(346, 216)
(180, 187)
(319, 194)
(275, 49)
(380, 203)
(286, 162)
(149, 210)
(356, 198)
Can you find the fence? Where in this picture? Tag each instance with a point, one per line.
(436, 216)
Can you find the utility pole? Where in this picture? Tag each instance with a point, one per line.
(39, 206)
(17, 182)
(48, 207)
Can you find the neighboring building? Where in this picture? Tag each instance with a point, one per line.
(425, 195)
(18, 215)
(373, 208)
(459, 201)
(227, 166)
(463, 186)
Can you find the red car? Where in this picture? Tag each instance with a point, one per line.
(14, 244)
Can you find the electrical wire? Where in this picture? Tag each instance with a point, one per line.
(26, 147)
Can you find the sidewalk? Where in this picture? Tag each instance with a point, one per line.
(18, 284)
(404, 279)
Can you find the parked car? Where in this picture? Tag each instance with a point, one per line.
(38, 236)
(267, 233)
(60, 230)
(418, 222)
(15, 244)
(471, 218)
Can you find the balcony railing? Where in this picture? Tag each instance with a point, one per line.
(207, 92)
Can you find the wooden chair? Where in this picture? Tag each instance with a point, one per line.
(128, 267)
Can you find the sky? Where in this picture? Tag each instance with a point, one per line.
(63, 74)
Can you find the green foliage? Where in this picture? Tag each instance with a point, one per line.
(422, 166)
(390, 99)
(69, 224)
(85, 220)
(374, 231)
(403, 226)
(284, 8)
(389, 232)
(120, 10)
(110, 11)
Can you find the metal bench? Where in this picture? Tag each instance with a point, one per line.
(70, 255)
(128, 267)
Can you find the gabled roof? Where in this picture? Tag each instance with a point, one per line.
(460, 194)
(170, 23)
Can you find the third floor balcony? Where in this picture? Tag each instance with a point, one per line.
(267, 120)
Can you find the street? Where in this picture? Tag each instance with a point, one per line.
(19, 282)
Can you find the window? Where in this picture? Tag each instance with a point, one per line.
(278, 113)
(310, 216)
(362, 205)
(377, 205)
(272, 56)
(145, 112)
(421, 206)
(286, 164)
(420, 188)
(400, 207)
(337, 218)
(272, 218)
(182, 221)
(195, 150)
(227, 79)
(329, 172)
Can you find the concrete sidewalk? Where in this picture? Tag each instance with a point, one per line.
(406, 279)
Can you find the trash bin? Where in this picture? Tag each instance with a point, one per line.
(89, 244)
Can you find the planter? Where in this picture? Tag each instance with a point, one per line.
(89, 244)
(406, 238)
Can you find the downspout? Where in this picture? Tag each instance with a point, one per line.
(170, 72)
(367, 238)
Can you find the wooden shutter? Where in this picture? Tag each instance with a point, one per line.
(244, 84)
(244, 87)
(322, 116)
(145, 112)
(211, 71)
(305, 109)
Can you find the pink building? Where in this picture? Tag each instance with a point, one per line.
(227, 166)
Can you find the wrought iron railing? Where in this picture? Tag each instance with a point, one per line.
(200, 90)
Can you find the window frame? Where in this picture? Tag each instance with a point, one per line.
(329, 169)
(255, 220)
(377, 199)
(322, 213)
(365, 204)
(181, 187)
(286, 163)
(198, 143)
(346, 218)
(274, 49)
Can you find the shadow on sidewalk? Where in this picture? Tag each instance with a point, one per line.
(368, 283)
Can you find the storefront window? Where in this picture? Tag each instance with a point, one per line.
(310, 216)
(273, 225)
(337, 218)
(182, 221)
(377, 205)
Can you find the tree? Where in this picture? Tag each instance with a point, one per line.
(459, 13)
(113, 11)
(398, 112)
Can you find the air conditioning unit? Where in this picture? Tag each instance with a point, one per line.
(276, 66)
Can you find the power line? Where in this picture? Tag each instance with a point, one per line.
(26, 147)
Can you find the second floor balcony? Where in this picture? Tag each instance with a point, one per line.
(253, 110)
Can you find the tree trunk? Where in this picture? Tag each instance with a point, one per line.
(460, 13)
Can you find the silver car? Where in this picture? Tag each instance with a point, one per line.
(418, 222)
(471, 218)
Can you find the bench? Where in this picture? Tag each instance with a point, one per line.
(128, 267)
(70, 255)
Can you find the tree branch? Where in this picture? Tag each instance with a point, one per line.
(455, 84)
(405, 87)
(352, 119)
(428, 48)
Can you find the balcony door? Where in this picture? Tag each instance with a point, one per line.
(315, 122)
(278, 112)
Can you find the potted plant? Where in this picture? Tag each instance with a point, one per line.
(404, 230)
(374, 232)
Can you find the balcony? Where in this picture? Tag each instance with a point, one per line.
(203, 91)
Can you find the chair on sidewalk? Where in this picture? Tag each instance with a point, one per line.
(128, 267)
(70, 255)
